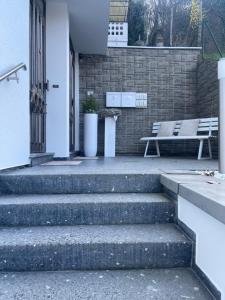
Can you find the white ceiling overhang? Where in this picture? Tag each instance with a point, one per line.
(89, 20)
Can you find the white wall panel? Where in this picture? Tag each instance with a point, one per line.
(57, 57)
(14, 98)
(210, 242)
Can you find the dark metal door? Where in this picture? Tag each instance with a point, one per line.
(72, 98)
(37, 83)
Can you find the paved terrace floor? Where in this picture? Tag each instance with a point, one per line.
(122, 165)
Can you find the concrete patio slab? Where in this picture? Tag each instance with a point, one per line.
(123, 165)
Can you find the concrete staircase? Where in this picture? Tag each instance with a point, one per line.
(93, 223)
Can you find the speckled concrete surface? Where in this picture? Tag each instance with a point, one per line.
(123, 165)
(85, 209)
(117, 234)
(83, 198)
(58, 248)
(50, 248)
(167, 284)
(111, 175)
(79, 183)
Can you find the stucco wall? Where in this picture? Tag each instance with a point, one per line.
(14, 98)
(57, 72)
(210, 244)
(169, 78)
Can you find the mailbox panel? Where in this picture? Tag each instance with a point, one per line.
(113, 99)
(128, 100)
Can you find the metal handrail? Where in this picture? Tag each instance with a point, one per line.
(13, 71)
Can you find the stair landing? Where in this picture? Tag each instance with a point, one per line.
(121, 165)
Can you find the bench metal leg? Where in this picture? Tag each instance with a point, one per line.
(200, 149)
(157, 150)
(146, 149)
(201, 144)
(210, 149)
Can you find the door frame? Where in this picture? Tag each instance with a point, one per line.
(72, 99)
(37, 76)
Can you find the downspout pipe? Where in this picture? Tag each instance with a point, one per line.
(221, 77)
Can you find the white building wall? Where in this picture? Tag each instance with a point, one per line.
(14, 98)
(210, 242)
(57, 72)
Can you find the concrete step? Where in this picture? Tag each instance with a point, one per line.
(27, 182)
(40, 158)
(85, 209)
(163, 284)
(49, 248)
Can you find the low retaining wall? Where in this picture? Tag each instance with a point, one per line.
(201, 209)
(210, 243)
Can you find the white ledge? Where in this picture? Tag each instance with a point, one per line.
(207, 193)
(158, 48)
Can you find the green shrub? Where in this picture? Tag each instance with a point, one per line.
(90, 105)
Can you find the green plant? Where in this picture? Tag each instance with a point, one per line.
(90, 105)
(196, 13)
(213, 56)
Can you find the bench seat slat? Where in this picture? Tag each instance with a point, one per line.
(205, 125)
(200, 130)
(170, 138)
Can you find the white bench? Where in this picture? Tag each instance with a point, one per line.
(204, 133)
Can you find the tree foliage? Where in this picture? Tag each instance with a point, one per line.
(136, 17)
(178, 21)
(214, 15)
(196, 13)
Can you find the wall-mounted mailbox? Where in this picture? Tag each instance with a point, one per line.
(129, 99)
(113, 99)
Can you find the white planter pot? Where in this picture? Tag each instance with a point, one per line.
(90, 134)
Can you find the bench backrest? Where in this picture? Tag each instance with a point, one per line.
(206, 125)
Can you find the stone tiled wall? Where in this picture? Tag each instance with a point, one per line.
(168, 76)
(208, 93)
(208, 89)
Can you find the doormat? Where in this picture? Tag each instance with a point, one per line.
(62, 163)
(85, 158)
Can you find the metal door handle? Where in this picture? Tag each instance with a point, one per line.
(46, 85)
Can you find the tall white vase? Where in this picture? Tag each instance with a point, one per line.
(90, 134)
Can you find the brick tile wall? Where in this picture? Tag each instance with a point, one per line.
(208, 93)
(208, 89)
(169, 77)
